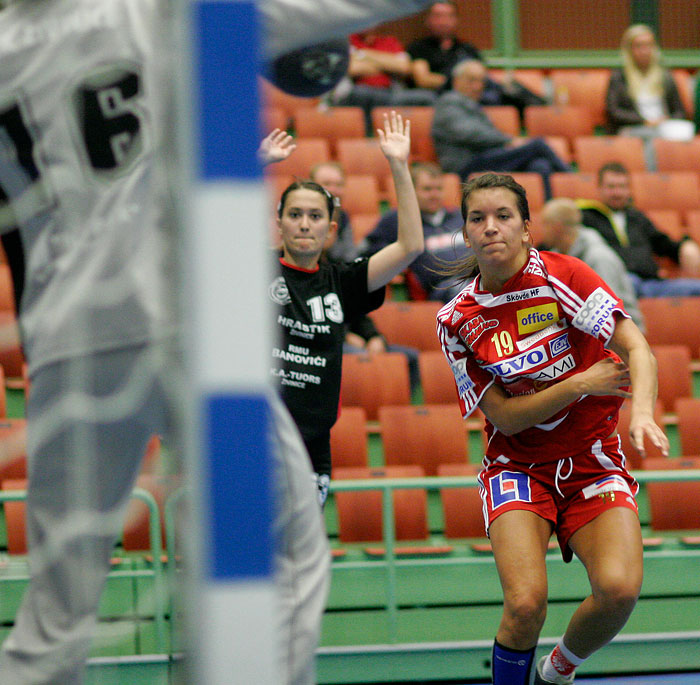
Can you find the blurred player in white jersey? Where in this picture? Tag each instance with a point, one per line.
(81, 111)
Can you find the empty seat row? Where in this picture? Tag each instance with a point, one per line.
(360, 511)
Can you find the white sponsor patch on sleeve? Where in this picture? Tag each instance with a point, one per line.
(596, 314)
(464, 383)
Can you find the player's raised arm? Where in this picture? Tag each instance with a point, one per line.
(395, 141)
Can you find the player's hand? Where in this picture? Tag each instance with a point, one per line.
(395, 138)
(641, 426)
(275, 147)
(606, 377)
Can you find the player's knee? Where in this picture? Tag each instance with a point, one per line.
(527, 610)
(618, 589)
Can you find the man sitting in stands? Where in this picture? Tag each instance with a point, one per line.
(636, 240)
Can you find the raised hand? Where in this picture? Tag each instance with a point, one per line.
(275, 147)
(395, 138)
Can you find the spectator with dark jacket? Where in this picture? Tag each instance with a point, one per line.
(466, 141)
(442, 228)
(636, 240)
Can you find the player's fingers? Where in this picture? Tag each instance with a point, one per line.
(380, 133)
(659, 439)
(637, 438)
(407, 128)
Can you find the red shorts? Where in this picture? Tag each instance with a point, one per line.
(570, 492)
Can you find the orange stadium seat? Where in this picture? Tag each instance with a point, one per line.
(361, 194)
(11, 357)
(373, 381)
(684, 83)
(360, 511)
(591, 152)
(452, 190)
(687, 410)
(584, 88)
(7, 292)
(560, 145)
(532, 79)
(576, 186)
(362, 224)
(675, 377)
(676, 155)
(332, 124)
(436, 378)
(674, 190)
(674, 505)
(425, 435)
(462, 508)
(421, 119)
(310, 151)
(692, 224)
(634, 459)
(505, 118)
(272, 96)
(362, 156)
(13, 438)
(409, 323)
(534, 186)
(349, 438)
(553, 120)
(672, 321)
(668, 221)
(275, 117)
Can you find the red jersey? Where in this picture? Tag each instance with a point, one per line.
(552, 319)
(381, 43)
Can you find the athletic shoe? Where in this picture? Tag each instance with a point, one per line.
(561, 680)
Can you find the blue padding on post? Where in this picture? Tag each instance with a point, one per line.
(239, 509)
(226, 70)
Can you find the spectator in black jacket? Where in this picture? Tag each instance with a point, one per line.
(636, 240)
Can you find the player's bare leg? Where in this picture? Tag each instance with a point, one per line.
(519, 540)
(610, 548)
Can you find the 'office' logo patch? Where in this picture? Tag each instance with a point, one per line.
(536, 318)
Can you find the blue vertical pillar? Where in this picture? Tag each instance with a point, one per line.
(227, 331)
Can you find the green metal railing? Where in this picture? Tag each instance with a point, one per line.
(156, 573)
(387, 487)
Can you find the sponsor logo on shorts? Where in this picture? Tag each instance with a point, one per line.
(509, 486)
(611, 483)
(473, 329)
(596, 312)
(536, 318)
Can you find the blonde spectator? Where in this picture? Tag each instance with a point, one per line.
(642, 96)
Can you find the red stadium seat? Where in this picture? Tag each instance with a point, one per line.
(591, 152)
(373, 381)
(462, 508)
(349, 438)
(425, 436)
